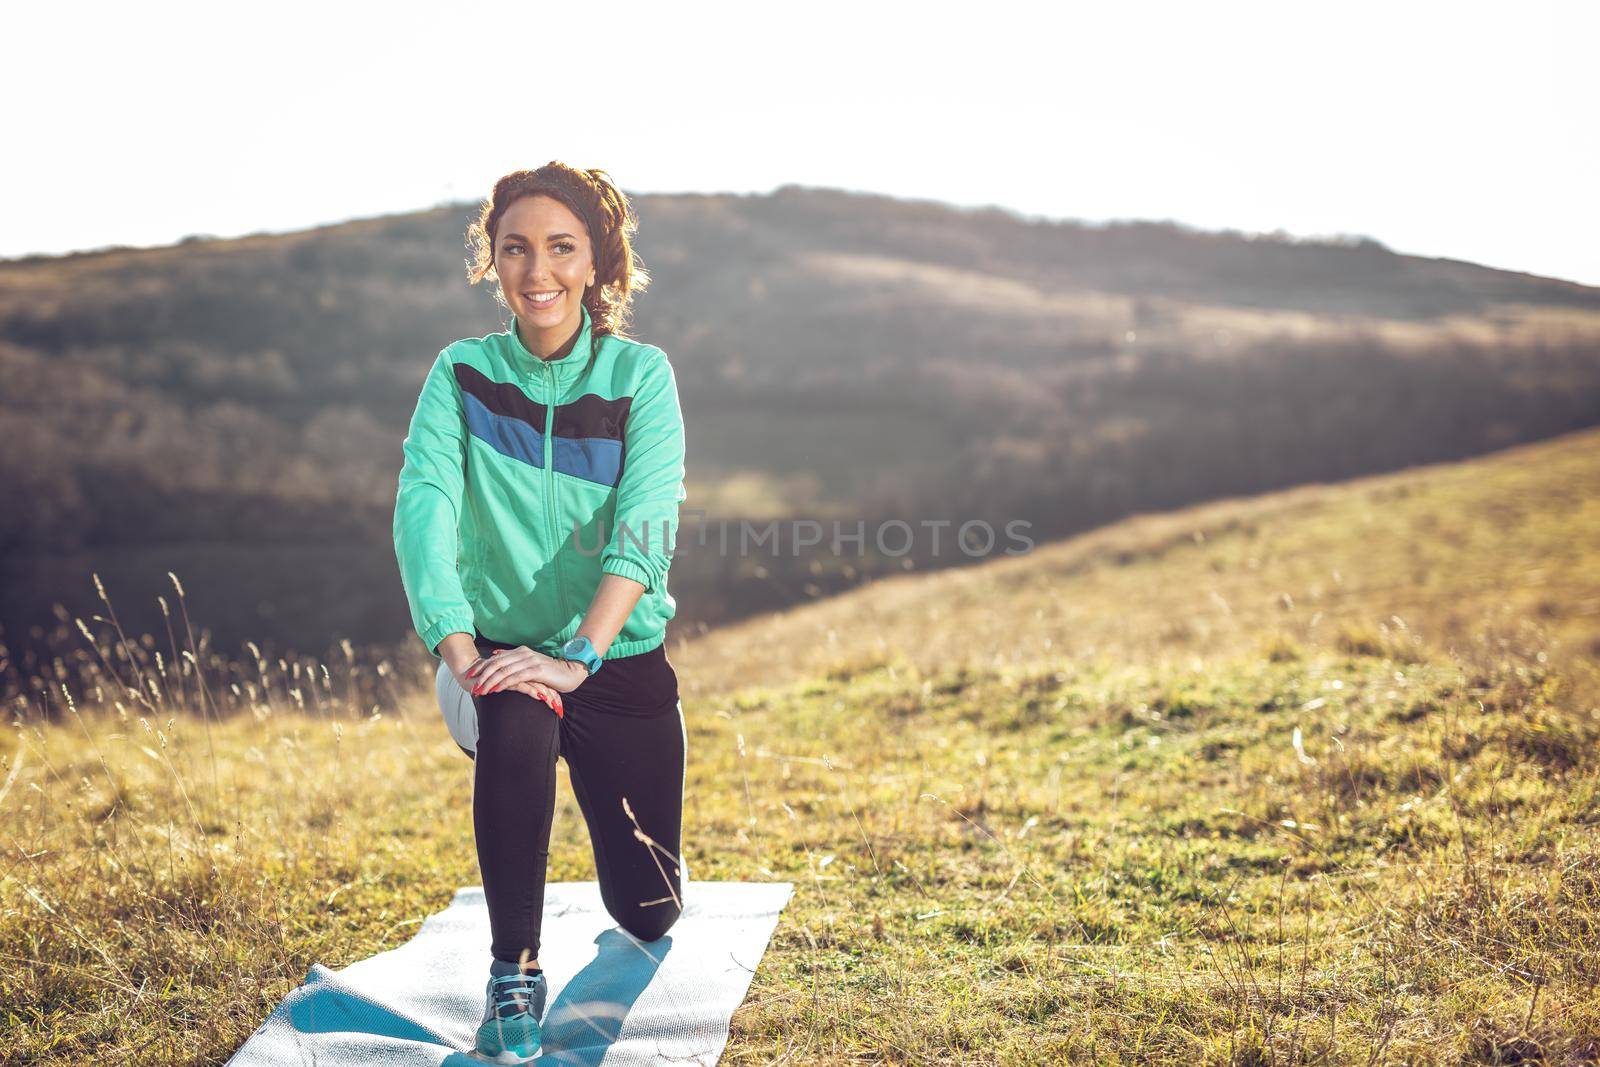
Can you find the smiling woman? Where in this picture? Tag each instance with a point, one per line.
(534, 528)
(584, 226)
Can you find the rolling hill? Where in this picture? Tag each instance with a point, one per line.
(231, 410)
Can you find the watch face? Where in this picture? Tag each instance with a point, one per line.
(579, 650)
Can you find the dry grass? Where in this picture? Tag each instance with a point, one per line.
(1301, 778)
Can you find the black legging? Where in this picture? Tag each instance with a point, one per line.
(622, 735)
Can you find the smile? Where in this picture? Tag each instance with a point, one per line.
(540, 300)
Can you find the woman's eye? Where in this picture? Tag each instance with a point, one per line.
(565, 247)
(513, 248)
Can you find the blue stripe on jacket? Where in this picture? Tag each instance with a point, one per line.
(594, 459)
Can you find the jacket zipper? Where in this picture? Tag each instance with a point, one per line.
(550, 486)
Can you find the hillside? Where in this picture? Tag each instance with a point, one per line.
(231, 410)
(1480, 559)
(1302, 777)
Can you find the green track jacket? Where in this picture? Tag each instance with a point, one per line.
(525, 480)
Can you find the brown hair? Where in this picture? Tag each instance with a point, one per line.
(606, 213)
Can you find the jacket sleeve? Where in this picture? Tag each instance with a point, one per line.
(427, 509)
(652, 483)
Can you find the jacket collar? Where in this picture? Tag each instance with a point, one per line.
(569, 365)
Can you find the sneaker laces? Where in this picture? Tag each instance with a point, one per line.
(514, 994)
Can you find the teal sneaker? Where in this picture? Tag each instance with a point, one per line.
(510, 1031)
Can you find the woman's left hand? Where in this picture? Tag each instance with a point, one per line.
(522, 664)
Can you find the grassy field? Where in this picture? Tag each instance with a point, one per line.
(1302, 778)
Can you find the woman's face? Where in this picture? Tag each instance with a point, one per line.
(542, 251)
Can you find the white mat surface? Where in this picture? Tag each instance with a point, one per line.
(613, 999)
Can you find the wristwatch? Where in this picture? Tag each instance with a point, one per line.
(582, 650)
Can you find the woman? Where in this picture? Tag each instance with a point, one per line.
(534, 527)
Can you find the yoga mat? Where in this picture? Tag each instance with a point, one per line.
(614, 1000)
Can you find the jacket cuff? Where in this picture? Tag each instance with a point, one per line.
(446, 626)
(627, 568)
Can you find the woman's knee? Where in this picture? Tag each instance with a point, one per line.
(511, 728)
(652, 921)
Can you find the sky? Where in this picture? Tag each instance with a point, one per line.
(1460, 129)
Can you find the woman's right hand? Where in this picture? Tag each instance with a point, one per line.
(542, 692)
(537, 690)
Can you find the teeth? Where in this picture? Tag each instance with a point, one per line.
(545, 298)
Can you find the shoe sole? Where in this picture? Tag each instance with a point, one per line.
(505, 1057)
